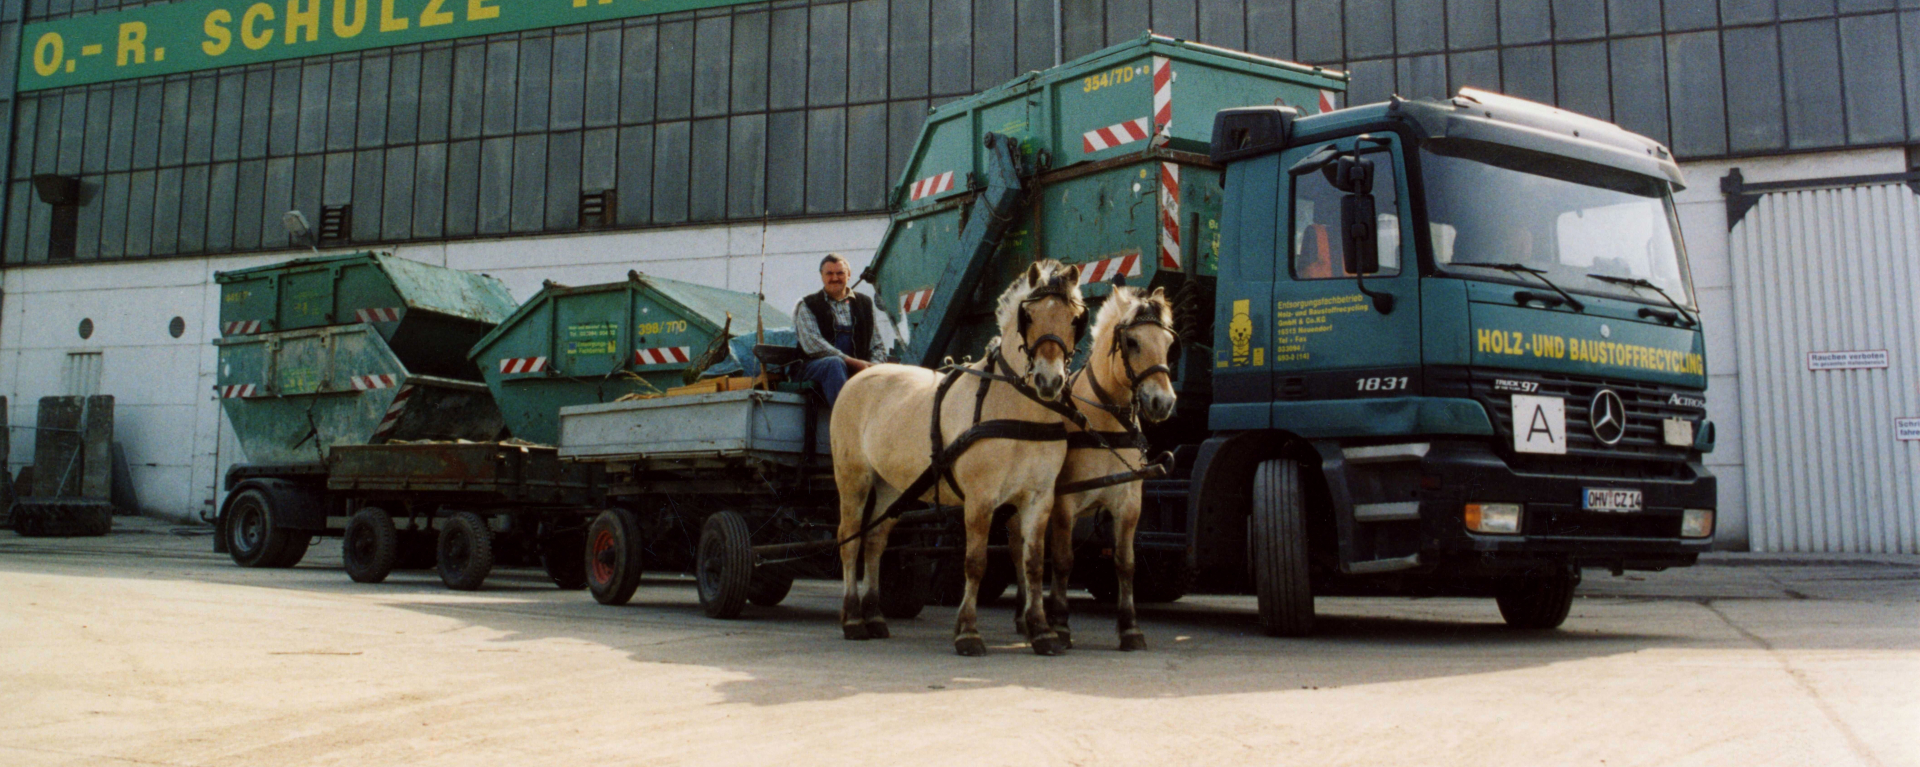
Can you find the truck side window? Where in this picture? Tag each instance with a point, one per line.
(1318, 250)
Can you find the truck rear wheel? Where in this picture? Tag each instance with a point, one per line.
(252, 537)
(724, 568)
(466, 551)
(770, 586)
(370, 546)
(1538, 602)
(1280, 570)
(612, 556)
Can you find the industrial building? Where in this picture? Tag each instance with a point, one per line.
(154, 144)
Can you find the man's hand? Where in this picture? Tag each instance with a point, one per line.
(855, 366)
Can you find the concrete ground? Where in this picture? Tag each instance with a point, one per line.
(146, 648)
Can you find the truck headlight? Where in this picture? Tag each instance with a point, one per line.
(1494, 518)
(1696, 523)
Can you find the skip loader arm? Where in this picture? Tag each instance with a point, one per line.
(992, 214)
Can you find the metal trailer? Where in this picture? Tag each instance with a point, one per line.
(736, 488)
(346, 381)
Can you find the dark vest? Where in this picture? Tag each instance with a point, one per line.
(862, 322)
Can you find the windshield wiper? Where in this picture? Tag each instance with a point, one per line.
(1642, 283)
(1537, 274)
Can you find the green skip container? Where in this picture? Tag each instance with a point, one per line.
(1116, 142)
(353, 350)
(597, 343)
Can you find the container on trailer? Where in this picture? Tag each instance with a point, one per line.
(353, 350)
(427, 314)
(1121, 184)
(766, 424)
(597, 343)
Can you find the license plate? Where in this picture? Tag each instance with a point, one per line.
(1602, 499)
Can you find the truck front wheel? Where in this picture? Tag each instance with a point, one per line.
(1280, 549)
(1540, 601)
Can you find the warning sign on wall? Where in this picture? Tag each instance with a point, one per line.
(1906, 429)
(1875, 358)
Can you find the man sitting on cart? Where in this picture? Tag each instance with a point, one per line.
(838, 330)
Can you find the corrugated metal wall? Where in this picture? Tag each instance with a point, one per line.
(1829, 270)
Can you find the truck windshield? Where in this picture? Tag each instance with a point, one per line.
(1575, 223)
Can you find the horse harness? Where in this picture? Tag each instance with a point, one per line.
(1127, 415)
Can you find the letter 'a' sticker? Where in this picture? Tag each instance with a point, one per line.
(1539, 425)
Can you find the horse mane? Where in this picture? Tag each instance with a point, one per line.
(1007, 313)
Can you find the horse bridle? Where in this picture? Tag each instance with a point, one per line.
(1126, 362)
(1056, 287)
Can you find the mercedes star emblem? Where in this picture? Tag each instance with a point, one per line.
(1608, 416)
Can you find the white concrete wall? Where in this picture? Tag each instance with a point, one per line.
(1703, 221)
(177, 440)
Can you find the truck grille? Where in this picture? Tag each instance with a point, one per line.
(1648, 406)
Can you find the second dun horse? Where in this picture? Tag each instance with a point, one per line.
(990, 435)
(1126, 379)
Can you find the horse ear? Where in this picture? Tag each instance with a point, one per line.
(1072, 274)
(1160, 293)
(1033, 276)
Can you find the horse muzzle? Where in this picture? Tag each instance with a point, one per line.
(1157, 403)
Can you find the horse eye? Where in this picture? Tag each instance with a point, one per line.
(1133, 345)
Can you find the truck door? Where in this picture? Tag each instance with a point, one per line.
(1331, 340)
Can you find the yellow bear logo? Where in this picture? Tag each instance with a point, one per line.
(1240, 329)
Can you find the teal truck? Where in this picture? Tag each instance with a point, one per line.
(1435, 347)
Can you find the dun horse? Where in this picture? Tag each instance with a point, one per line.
(893, 422)
(1126, 378)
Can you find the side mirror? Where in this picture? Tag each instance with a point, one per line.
(1358, 226)
(1350, 174)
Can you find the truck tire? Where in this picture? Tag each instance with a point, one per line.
(252, 537)
(770, 586)
(466, 551)
(1538, 602)
(1280, 572)
(370, 546)
(903, 585)
(561, 556)
(612, 557)
(724, 565)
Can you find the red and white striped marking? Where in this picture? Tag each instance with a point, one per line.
(664, 355)
(1108, 268)
(243, 328)
(932, 185)
(370, 383)
(1114, 135)
(915, 300)
(380, 315)
(1326, 101)
(392, 418)
(512, 365)
(237, 391)
(1169, 216)
(1162, 94)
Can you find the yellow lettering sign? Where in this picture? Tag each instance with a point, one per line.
(433, 16)
(388, 23)
(219, 38)
(255, 14)
(133, 43)
(49, 54)
(479, 9)
(308, 20)
(340, 26)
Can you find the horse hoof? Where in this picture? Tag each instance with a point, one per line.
(1132, 641)
(855, 631)
(1047, 644)
(878, 630)
(971, 647)
(1066, 638)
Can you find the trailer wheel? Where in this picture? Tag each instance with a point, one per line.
(724, 568)
(370, 547)
(252, 538)
(612, 556)
(770, 586)
(1280, 549)
(560, 554)
(1538, 602)
(903, 585)
(466, 551)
